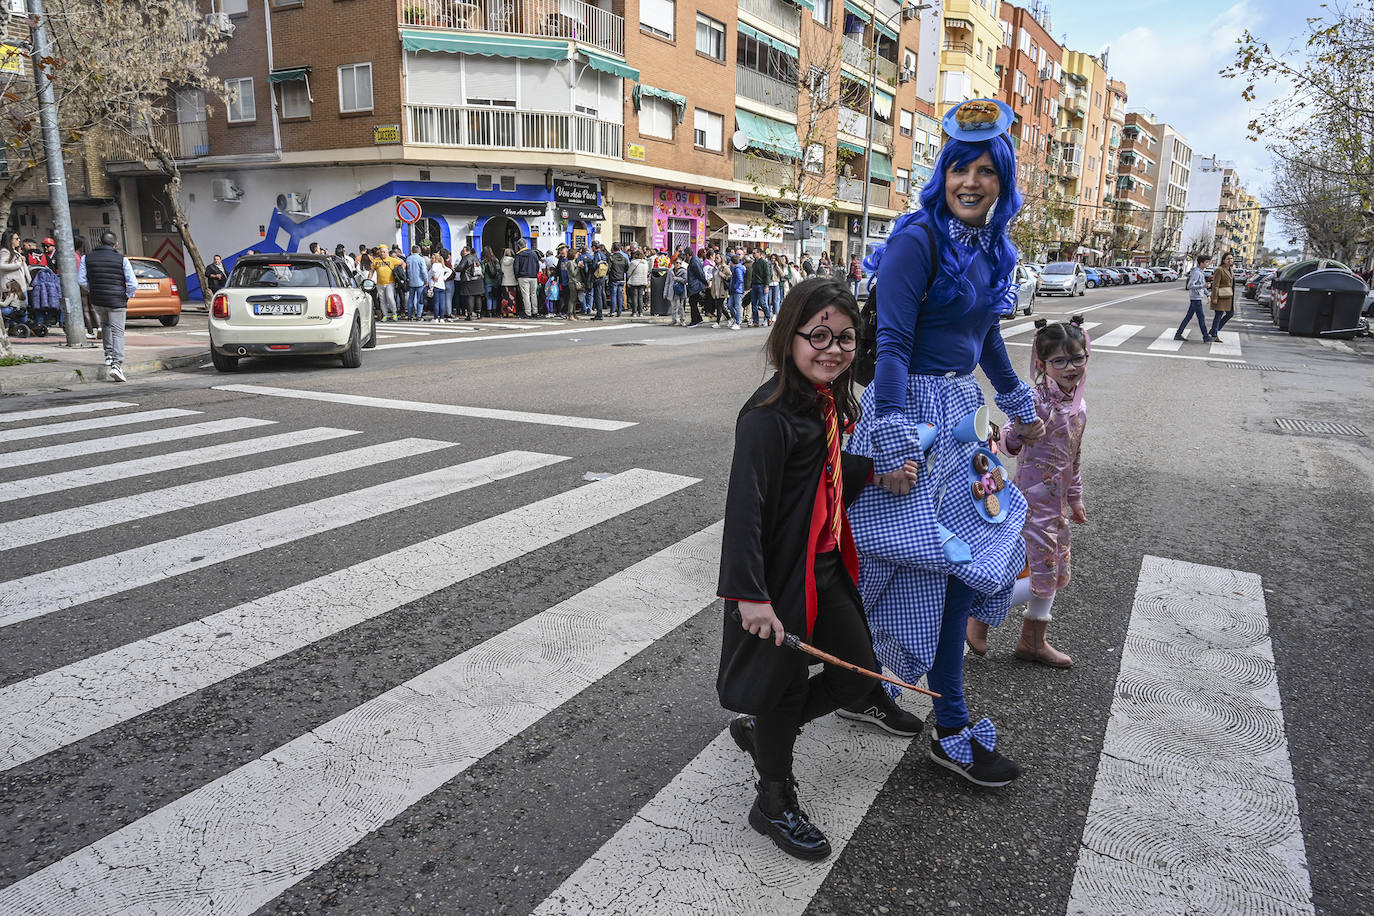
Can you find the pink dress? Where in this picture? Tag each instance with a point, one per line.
(1047, 473)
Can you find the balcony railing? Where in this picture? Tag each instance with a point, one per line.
(764, 172)
(849, 189)
(766, 89)
(961, 47)
(185, 140)
(784, 15)
(882, 134)
(853, 122)
(507, 128)
(575, 19)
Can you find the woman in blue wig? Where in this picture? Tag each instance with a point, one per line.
(948, 545)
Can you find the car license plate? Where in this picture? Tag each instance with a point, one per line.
(278, 308)
(150, 287)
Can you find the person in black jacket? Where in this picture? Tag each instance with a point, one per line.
(109, 278)
(788, 562)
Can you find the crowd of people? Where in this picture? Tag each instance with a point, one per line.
(31, 287)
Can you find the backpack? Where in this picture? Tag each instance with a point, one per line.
(551, 290)
(679, 286)
(491, 273)
(866, 354)
(602, 268)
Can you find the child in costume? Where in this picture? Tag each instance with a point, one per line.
(788, 563)
(1047, 474)
(932, 554)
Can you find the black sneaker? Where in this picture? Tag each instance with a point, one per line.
(987, 767)
(878, 709)
(742, 730)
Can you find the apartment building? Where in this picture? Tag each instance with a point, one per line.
(1170, 178)
(1104, 212)
(1220, 210)
(1030, 68)
(1082, 144)
(552, 121)
(968, 53)
(1134, 196)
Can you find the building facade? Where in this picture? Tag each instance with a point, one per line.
(968, 53)
(1170, 178)
(1135, 191)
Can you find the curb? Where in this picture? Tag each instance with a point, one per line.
(66, 378)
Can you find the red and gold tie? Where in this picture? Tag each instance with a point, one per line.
(832, 459)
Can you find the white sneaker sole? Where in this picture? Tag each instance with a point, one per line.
(873, 720)
(954, 767)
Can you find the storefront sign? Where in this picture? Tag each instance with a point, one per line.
(577, 193)
(727, 201)
(592, 214)
(634, 151)
(386, 133)
(525, 212)
(679, 217)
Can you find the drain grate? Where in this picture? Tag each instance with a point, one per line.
(1253, 366)
(630, 343)
(1318, 427)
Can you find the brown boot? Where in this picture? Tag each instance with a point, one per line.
(977, 636)
(1034, 647)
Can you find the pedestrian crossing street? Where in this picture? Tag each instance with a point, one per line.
(257, 828)
(1139, 340)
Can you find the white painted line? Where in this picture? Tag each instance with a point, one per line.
(55, 708)
(90, 517)
(128, 440)
(1166, 341)
(1338, 346)
(1194, 809)
(233, 845)
(1118, 336)
(81, 426)
(580, 330)
(1089, 325)
(1015, 329)
(39, 413)
(452, 410)
(44, 593)
(1102, 305)
(136, 467)
(691, 850)
(1230, 346)
(1208, 359)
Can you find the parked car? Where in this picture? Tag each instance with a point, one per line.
(291, 305)
(1252, 285)
(1064, 277)
(1094, 278)
(1264, 293)
(1021, 295)
(1168, 274)
(157, 296)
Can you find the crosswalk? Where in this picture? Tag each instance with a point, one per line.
(266, 822)
(1140, 340)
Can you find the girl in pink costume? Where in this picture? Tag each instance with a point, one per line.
(1047, 473)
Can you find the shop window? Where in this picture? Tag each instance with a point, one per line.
(679, 233)
(241, 106)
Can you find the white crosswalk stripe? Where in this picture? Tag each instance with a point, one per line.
(1168, 340)
(39, 413)
(1118, 336)
(126, 441)
(81, 426)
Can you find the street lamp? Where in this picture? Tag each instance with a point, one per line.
(906, 13)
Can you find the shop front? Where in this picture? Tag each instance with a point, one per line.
(679, 219)
(577, 206)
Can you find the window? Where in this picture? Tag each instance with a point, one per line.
(1023, 41)
(242, 106)
(815, 158)
(903, 181)
(656, 117)
(708, 130)
(234, 7)
(710, 37)
(904, 123)
(958, 86)
(820, 12)
(819, 85)
(657, 16)
(355, 87)
(295, 99)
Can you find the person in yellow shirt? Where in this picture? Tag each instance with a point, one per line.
(385, 267)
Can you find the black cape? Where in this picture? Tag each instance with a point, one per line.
(768, 546)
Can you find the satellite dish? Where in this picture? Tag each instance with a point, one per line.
(740, 140)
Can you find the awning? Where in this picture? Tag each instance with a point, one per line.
(610, 65)
(955, 23)
(487, 45)
(880, 167)
(852, 147)
(882, 104)
(806, 4)
(851, 7)
(883, 29)
(289, 75)
(776, 44)
(771, 136)
(643, 89)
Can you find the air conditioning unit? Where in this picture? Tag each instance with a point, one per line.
(219, 23)
(226, 190)
(294, 202)
(906, 76)
(1046, 73)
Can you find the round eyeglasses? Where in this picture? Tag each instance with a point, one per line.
(1064, 362)
(821, 336)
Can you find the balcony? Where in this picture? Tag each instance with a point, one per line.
(570, 19)
(764, 172)
(849, 189)
(507, 128)
(1071, 135)
(958, 47)
(1070, 169)
(184, 140)
(853, 122)
(766, 89)
(784, 15)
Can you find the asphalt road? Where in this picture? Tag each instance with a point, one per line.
(1184, 460)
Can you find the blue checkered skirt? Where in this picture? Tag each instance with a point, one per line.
(902, 565)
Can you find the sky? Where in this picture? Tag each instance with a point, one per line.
(1169, 53)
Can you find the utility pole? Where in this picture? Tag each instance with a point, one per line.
(75, 322)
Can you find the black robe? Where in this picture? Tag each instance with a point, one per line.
(773, 516)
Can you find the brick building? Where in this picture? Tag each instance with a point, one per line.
(1135, 191)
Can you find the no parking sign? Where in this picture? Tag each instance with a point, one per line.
(408, 210)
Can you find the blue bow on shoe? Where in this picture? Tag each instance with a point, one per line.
(970, 236)
(959, 747)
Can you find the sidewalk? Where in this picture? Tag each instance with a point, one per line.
(148, 347)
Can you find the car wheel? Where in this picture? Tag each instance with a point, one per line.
(371, 336)
(1092, 284)
(352, 357)
(1030, 307)
(224, 363)
(170, 321)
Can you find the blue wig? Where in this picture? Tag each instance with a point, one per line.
(935, 216)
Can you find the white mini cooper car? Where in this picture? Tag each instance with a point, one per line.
(291, 305)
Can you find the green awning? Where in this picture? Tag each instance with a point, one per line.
(882, 27)
(852, 7)
(806, 4)
(774, 43)
(487, 45)
(852, 147)
(880, 167)
(610, 65)
(287, 76)
(678, 100)
(776, 137)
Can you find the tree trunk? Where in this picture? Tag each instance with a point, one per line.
(10, 190)
(173, 173)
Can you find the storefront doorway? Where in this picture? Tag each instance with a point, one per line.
(500, 233)
(427, 234)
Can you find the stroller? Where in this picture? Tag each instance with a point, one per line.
(21, 319)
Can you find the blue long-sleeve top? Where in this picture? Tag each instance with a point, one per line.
(942, 335)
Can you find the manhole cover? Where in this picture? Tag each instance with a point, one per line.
(1318, 427)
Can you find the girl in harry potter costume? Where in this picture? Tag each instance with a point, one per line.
(788, 563)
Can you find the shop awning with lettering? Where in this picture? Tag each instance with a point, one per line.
(777, 137)
(487, 45)
(610, 65)
(776, 44)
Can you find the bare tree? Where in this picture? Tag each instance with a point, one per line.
(1201, 240)
(1044, 211)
